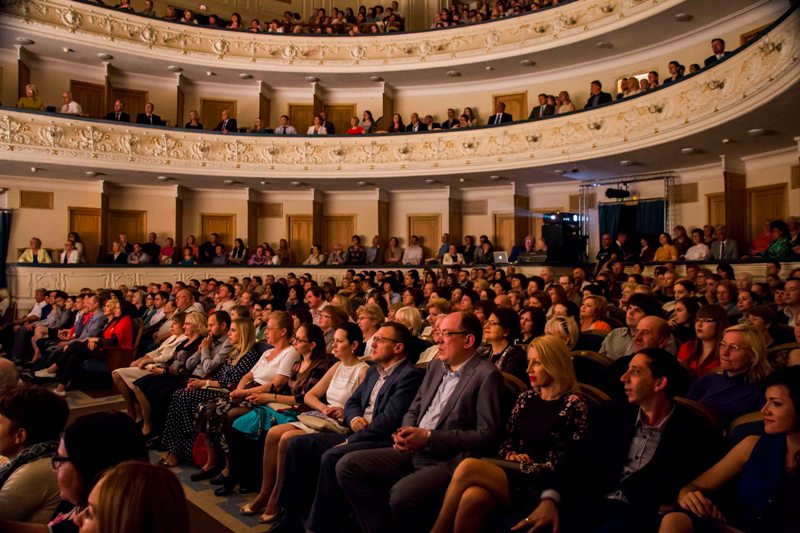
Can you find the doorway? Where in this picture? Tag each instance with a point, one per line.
(222, 224)
(429, 230)
(85, 221)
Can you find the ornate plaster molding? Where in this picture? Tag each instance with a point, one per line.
(513, 36)
(756, 74)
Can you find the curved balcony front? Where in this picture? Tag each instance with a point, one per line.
(125, 33)
(753, 77)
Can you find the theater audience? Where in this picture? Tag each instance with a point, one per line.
(593, 313)
(35, 254)
(31, 99)
(70, 106)
(499, 333)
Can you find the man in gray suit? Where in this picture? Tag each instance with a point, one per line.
(456, 410)
(724, 248)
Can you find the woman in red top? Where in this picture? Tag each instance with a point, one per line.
(701, 355)
(355, 129)
(118, 333)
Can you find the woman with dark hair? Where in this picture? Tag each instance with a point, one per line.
(469, 249)
(745, 301)
(238, 253)
(500, 332)
(781, 246)
(701, 355)
(667, 251)
(31, 422)
(531, 324)
(765, 320)
(118, 333)
(647, 251)
(397, 125)
(766, 469)
(90, 445)
(682, 319)
(132, 497)
(725, 271)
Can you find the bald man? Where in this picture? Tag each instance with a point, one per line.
(9, 377)
(650, 332)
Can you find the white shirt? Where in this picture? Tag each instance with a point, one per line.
(73, 259)
(72, 108)
(698, 252)
(264, 371)
(412, 255)
(322, 131)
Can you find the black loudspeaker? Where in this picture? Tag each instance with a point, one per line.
(560, 232)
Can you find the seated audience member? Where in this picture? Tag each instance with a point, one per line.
(119, 114)
(355, 128)
(393, 254)
(167, 254)
(780, 247)
(148, 117)
(701, 355)
(138, 256)
(413, 254)
(194, 121)
(432, 440)
(727, 298)
(35, 254)
(700, 251)
(723, 248)
(259, 127)
(132, 497)
(356, 254)
(397, 125)
(452, 120)
(238, 253)
(9, 376)
(763, 468)
(564, 327)
(188, 259)
(737, 390)
(718, 47)
(151, 248)
(545, 424)
(285, 128)
(316, 257)
(31, 422)
(284, 254)
(765, 320)
(327, 124)
(597, 96)
(543, 109)
(226, 123)
(89, 446)
(31, 99)
(500, 116)
(367, 121)
(593, 313)
(70, 106)
(259, 258)
(619, 341)
(532, 322)
(499, 334)
(337, 385)
(149, 10)
(667, 251)
(635, 456)
(674, 73)
(372, 413)
(220, 257)
(317, 128)
(565, 105)
(179, 432)
(453, 257)
(416, 124)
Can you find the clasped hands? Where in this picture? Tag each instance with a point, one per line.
(410, 439)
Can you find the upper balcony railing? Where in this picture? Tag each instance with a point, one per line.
(131, 33)
(757, 73)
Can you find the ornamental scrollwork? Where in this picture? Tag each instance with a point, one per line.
(166, 147)
(237, 152)
(92, 140)
(71, 19)
(11, 131)
(129, 145)
(305, 154)
(201, 150)
(52, 136)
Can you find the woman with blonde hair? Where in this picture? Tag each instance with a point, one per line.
(370, 317)
(411, 318)
(737, 389)
(131, 497)
(564, 327)
(565, 105)
(593, 313)
(31, 99)
(545, 423)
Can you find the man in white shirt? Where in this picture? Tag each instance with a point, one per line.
(70, 107)
(285, 128)
(413, 254)
(315, 298)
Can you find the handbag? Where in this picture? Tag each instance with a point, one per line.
(318, 421)
(199, 452)
(257, 422)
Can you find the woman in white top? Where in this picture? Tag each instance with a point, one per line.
(700, 250)
(452, 257)
(316, 257)
(338, 384)
(76, 241)
(565, 105)
(124, 377)
(317, 128)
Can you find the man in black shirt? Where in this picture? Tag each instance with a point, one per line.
(609, 251)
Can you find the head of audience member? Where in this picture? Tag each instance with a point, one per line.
(347, 340)
(742, 351)
(640, 306)
(502, 327)
(90, 445)
(651, 332)
(550, 365)
(791, 292)
(652, 377)
(564, 327)
(460, 336)
(726, 293)
(370, 316)
(131, 497)
(782, 408)
(390, 344)
(717, 45)
(9, 377)
(595, 87)
(30, 415)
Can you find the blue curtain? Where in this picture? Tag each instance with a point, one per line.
(609, 215)
(5, 234)
(650, 217)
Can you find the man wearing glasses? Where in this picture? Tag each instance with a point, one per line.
(456, 410)
(372, 413)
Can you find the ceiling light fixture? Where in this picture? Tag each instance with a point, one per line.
(246, 76)
(375, 78)
(104, 57)
(527, 63)
(604, 44)
(296, 183)
(91, 173)
(489, 67)
(627, 163)
(453, 73)
(163, 178)
(229, 182)
(312, 79)
(688, 151)
(24, 40)
(756, 132)
(67, 50)
(34, 169)
(683, 17)
(264, 182)
(362, 183)
(559, 171)
(175, 68)
(210, 73)
(430, 181)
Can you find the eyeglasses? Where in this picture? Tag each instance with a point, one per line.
(448, 334)
(298, 339)
(379, 340)
(59, 460)
(704, 321)
(491, 323)
(731, 347)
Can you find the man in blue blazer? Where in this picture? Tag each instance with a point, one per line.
(373, 413)
(597, 96)
(457, 411)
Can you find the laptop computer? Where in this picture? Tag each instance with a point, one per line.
(500, 257)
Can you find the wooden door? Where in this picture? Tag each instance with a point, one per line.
(132, 223)
(765, 203)
(211, 112)
(503, 232)
(340, 116)
(133, 100)
(222, 224)
(85, 221)
(299, 229)
(23, 77)
(516, 104)
(429, 230)
(90, 96)
(715, 208)
(337, 229)
(301, 116)
(264, 110)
